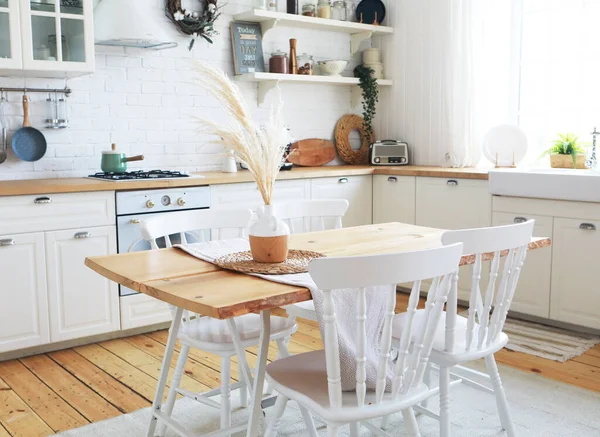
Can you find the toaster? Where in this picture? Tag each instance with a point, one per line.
(388, 152)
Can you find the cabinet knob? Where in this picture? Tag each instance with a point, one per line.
(392, 179)
(181, 201)
(520, 219)
(452, 182)
(42, 200)
(7, 242)
(587, 226)
(82, 235)
(150, 204)
(343, 181)
(134, 221)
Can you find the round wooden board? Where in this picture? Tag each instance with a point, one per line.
(297, 262)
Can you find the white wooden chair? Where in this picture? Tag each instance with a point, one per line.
(458, 339)
(313, 379)
(220, 337)
(310, 216)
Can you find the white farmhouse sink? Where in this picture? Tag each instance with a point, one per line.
(548, 183)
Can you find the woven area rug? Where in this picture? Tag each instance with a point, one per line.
(540, 408)
(546, 341)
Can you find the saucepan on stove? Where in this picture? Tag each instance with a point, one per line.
(114, 161)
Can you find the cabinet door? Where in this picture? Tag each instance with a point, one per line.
(23, 295)
(58, 36)
(10, 35)
(394, 199)
(453, 203)
(533, 291)
(82, 303)
(358, 190)
(247, 195)
(575, 290)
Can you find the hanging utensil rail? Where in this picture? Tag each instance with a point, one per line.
(65, 91)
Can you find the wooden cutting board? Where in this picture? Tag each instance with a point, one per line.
(312, 152)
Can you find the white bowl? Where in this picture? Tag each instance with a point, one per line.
(332, 68)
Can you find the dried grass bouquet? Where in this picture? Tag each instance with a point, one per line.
(259, 148)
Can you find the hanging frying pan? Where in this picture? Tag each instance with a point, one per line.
(28, 143)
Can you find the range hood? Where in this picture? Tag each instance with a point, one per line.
(130, 23)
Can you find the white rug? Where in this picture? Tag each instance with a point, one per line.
(540, 407)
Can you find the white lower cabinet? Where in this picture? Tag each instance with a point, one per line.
(139, 310)
(394, 199)
(358, 190)
(533, 291)
(23, 293)
(575, 255)
(82, 303)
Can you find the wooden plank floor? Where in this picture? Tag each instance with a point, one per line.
(50, 393)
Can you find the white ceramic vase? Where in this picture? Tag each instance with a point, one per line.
(229, 165)
(269, 238)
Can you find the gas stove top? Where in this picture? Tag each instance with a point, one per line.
(140, 175)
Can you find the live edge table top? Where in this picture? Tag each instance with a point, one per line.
(175, 277)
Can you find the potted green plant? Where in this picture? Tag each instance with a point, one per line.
(566, 152)
(370, 94)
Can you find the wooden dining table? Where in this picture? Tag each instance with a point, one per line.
(173, 276)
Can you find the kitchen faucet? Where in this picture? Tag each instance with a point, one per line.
(592, 162)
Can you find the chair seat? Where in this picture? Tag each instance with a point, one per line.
(460, 355)
(209, 330)
(303, 310)
(304, 376)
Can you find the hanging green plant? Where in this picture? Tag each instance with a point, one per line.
(197, 24)
(370, 95)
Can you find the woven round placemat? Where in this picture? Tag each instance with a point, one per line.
(297, 262)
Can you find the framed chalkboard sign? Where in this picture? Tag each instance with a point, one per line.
(246, 39)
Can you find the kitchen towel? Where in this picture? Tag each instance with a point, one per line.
(345, 309)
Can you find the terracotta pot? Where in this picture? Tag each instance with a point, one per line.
(566, 161)
(269, 238)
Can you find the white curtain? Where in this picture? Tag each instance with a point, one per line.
(454, 76)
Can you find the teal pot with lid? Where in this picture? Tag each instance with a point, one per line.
(114, 161)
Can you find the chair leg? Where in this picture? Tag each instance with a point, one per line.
(427, 382)
(278, 411)
(172, 396)
(225, 392)
(333, 431)
(308, 421)
(410, 423)
(501, 402)
(445, 425)
(354, 429)
(244, 388)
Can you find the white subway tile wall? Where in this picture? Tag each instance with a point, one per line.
(145, 102)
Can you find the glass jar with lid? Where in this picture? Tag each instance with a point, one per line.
(339, 10)
(306, 64)
(324, 9)
(309, 10)
(279, 63)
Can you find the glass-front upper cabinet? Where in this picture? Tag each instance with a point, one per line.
(10, 35)
(58, 36)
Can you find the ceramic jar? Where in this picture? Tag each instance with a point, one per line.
(269, 238)
(372, 59)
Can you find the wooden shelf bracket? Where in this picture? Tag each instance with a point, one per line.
(356, 39)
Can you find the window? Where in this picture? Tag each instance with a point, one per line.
(560, 71)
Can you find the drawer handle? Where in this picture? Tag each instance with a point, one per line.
(82, 235)
(42, 200)
(7, 242)
(587, 227)
(343, 181)
(392, 179)
(520, 219)
(134, 221)
(452, 183)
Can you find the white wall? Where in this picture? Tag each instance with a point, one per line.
(144, 102)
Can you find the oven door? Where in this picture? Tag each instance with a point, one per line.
(129, 238)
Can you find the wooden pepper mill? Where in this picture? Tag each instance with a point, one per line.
(293, 57)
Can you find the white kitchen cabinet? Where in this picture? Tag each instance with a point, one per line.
(575, 254)
(139, 310)
(533, 291)
(10, 36)
(453, 203)
(358, 190)
(81, 302)
(23, 294)
(56, 38)
(394, 199)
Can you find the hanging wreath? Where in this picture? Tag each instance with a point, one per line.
(197, 24)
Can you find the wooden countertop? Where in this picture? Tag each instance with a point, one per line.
(74, 185)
